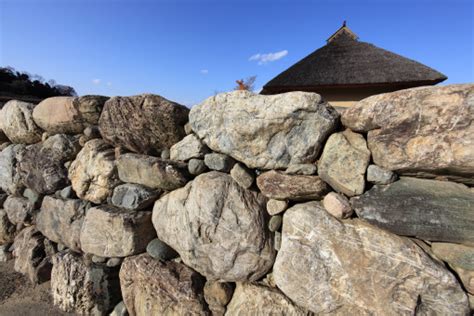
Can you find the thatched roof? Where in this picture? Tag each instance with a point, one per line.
(346, 62)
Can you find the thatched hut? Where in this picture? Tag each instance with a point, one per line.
(347, 70)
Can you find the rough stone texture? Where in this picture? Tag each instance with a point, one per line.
(114, 262)
(159, 250)
(302, 169)
(83, 288)
(152, 172)
(337, 205)
(219, 162)
(189, 147)
(93, 174)
(275, 207)
(5, 254)
(68, 115)
(425, 131)
(427, 209)
(154, 287)
(344, 161)
(196, 167)
(457, 255)
(165, 154)
(257, 299)
(30, 255)
(17, 122)
(265, 132)
(144, 123)
(378, 175)
(134, 196)
(108, 231)
(217, 296)
(41, 166)
(217, 227)
(353, 268)
(275, 223)
(188, 129)
(280, 186)
(119, 310)
(10, 180)
(61, 221)
(242, 175)
(20, 210)
(7, 229)
(466, 277)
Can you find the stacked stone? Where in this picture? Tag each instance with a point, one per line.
(247, 204)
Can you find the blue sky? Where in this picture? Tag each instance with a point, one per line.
(188, 50)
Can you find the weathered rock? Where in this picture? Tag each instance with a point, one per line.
(378, 175)
(17, 122)
(93, 174)
(302, 169)
(213, 219)
(5, 254)
(34, 197)
(68, 115)
(119, 310)
(427, 209)
(30, 255)
(456, 255)
(98, 259)
(196, 167)
(7, 229)
(10, 180)
(275, 223)
(165, 154)
(337, 205)
(152, 172)
(159, 250)
(358, 269)
(134, 196)
(277, 241)
(424, 131)
(20, 210)
(83, 288)
(108, 231)
(280, 186)
(67, 193)
(217, 296)
(114, 262)
(344, 161)
(219, 162)
(154, 287)
(242, 175)
(188, 129)
(275, 207)
(265, 132)
(189, 147)
(256, 299)
(144, 123)
(61, 221)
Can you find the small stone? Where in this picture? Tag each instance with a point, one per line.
(219, 162)
(159, 250)
(91, 132)
(302, 169)
(275, 207)
(378, 175)
(61, 247)
(5, 254)
(44, 136)
(242, 175)
(119, 310)
(33, 197)
(337, 205)
(275, 223)
(196, 166)
(277, 241)
(98, 259)
(165, 154)
(67, 193)
(113, 262)
(83, 140)
(19, 210)
(134, 196)
(7, 229)
(218, 295)
(189, 147)
(188, 129)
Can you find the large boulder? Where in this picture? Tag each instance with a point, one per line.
(61, 221)
(68, 115)
(144, 123)
(280, 186)
(93, 174)
(152, 172)
(423, 131)
(155, 287)
(217, 227)
(10, 180)
(17, 122)
(108, 231)
(353, 268)
(344, 161)
(427, 209)
(265, 132)
(83, 287)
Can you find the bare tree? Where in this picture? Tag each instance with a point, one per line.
(247, 84)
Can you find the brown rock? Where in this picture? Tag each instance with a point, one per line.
(337, 205)
(218, 295)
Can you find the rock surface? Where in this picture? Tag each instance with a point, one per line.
(196, 166)
(17, 122)
(425, 131)
(10, 180)
(7, 229)
(427, 209)
(213, 219)
(302, 169)
(457, 255)
(275, 207)
(280, 186)
(265, 132)
(134, 196)
(219, 162)
(108, 231)
(83, 288)
(20, 210)
(337, 205)
(144, 123)
(159, 250)
(358, 269)
(152, 172)
(344, 161)
(93, 174)
(378, 175)
(154, 287)
(189, 147)
(217, 296)
(242, 175)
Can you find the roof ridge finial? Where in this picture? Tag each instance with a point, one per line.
(344, 24)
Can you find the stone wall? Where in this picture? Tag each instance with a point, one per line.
(245, 205)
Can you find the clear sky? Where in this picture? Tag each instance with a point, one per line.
(188, 50)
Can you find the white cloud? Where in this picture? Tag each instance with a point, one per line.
(96, 81)
(269, 57)
(204, 71)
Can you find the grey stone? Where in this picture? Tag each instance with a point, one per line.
(461, 256)
(91, 132)
(18, 124)
(5, 254)
(196, 166)
(275, 223)
(165, 154)
(159, 250)
(265, 132)
(98, 259)
(275, 207)
(337, 205)
(189, 147)
(10, 180)
(242, 175)
(32, 196)
(219, 162)
(119, 310)
(302, 169)
(277, 241)
(7, 229)
(20, 210)
(378, 175)
(134, 196)
(114, 262)
(67, 193)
